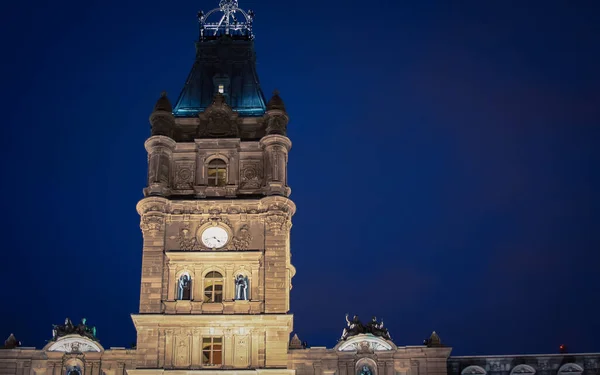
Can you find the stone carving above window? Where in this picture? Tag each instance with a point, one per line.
(364, 343)
(74, 344)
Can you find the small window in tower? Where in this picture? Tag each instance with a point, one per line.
(217, 173)
(213, 287)
(212, 351)
(221, 89)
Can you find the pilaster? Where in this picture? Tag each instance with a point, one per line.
(276, 148)
(152, 213)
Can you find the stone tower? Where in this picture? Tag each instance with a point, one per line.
(216, 217)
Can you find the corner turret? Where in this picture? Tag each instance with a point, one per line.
(162, 120)
(276, 117)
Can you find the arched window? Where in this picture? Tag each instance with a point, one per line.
(184, 287)
(366, 366)
(212, 351)
(365, 370)
(242, 288)
(217, 173)
(213, 287)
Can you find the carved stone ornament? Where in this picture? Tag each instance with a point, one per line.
(184, 176)
(276, 223)
(242, 240)
(152, 223)
(74, 344)
(218, 120)
(365, 343)
(187, 241)
(251, 174)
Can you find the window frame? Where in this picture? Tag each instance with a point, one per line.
(210, 362)
(220, 168)
(215, 281)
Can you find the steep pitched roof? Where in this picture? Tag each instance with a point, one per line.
(226, 63)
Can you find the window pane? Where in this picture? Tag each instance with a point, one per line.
(217, 358)
(218, 287)
(218, 297)
(217, 340)
(205, 357)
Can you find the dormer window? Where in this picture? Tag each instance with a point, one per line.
(221, 89)
(217, 173)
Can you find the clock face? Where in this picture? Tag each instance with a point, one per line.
(215, 237)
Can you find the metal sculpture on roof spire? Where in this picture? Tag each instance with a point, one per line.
(230, 23)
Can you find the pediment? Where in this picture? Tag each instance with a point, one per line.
(73, 344)
(364, 343)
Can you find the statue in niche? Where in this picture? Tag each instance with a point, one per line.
(365, 370)
(184, 287)
(241, 288)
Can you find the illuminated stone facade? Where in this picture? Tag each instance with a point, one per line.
(216, 268)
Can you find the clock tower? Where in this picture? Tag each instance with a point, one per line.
(216, 217)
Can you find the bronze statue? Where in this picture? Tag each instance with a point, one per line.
(59, 330)
(355, 327)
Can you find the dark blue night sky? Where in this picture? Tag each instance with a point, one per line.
(445, 163)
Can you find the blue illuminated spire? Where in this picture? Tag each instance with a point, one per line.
(225, 63)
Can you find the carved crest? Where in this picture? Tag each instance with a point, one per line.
(184, 176)
(242, 240)
(251, 174)
(218, 120)
(187, 241)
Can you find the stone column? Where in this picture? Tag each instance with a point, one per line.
(172, 284)
(152, 213)
(169, 348)
(228, 283)
(254, 344)
(254, 282)
(196, 349)
(228, 348)
(276, 148)
(160, 154)
(276, 240)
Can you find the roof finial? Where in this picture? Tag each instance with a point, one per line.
(228, 24)
(163, 94)
(275, 92)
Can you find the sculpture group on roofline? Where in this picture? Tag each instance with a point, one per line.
(59, 330)
(355, 327)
